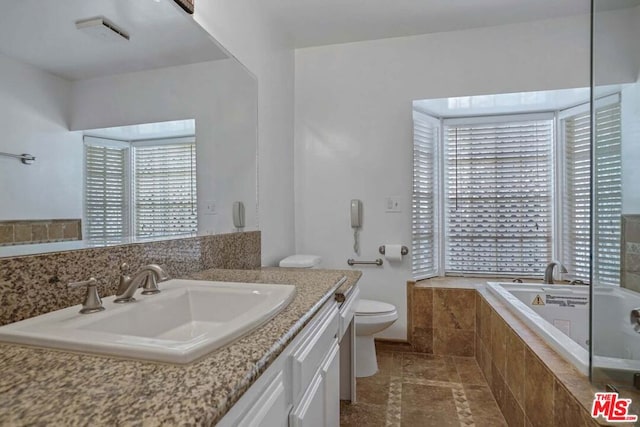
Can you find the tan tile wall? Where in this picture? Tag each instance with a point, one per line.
(39, 231)
(532, 384)
(630, 255)
(34, 285)
(442, 320)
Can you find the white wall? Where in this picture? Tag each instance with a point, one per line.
(353, 126)
(630, 108)
(33, 119)
(631, 132)
(220, 95)
(241, 27)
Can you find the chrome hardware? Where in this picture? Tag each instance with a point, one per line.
(92, 302)
(148, 276)
(352, 261)
(634, 319)
(548, 272)
(26, 159)
(403, 250)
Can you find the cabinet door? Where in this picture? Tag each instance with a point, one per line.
(310, 410)
(271, 409)
(331, 374)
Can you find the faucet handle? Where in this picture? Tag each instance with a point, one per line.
(150, 285)
(92, 302)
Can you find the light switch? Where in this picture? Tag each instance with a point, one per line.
(393, 204)
(209, 207)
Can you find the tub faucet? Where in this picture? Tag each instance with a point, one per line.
(548, 272)
(148, 276)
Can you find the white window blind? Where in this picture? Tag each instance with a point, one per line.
(424, 213)
(165, 189)
(608, 195)
(106, 207)
(577, 196)
(607, 191)
(498, 200)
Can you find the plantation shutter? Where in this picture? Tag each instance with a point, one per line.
(577, 198)
(165, 189)
(498, 199)
(608, 195)
(424, 212)
(105, 192)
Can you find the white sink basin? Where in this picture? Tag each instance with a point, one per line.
(187, 320)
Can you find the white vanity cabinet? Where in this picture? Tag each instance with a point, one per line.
(302, 387)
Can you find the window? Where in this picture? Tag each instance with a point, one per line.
(139, 189)
(165, 189)
(105, 191)
(498, 196)
(498, 189)
(424, 201)
(607, 191)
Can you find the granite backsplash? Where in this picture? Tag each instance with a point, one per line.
(37, 284)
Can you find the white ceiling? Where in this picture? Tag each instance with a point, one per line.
(141, 132)
(505, 103)
(509, 103)
(322, 22)
(43, 33)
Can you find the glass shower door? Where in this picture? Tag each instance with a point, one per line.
(615, 201)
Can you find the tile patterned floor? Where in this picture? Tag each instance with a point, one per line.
(416, 389)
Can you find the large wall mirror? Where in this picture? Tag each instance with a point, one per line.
(135, 122)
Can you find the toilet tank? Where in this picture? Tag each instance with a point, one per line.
(301, 261)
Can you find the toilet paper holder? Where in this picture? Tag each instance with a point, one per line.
(403, 251)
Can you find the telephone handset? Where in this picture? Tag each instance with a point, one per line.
(238, 215)
(356, 213)
(356, 223)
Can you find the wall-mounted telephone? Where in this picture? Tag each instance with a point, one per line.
(356, 213)
(356, 223)
(238, 215)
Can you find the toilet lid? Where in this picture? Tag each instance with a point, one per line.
(300, 261)
(370, 307)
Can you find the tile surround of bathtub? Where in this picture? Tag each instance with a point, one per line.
(39, 231)
(630, 254)
(531, 383)
(34, 285)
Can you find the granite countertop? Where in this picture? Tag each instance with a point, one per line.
(43, 386)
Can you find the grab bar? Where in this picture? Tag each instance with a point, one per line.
(377, 262)
(27, 159)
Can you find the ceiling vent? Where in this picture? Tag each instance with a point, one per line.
(102, 28)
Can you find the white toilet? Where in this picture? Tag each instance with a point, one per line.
(371, 317)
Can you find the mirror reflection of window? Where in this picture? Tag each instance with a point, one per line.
(141, 188)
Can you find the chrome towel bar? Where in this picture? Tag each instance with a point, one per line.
(27, 159)
(352, 261)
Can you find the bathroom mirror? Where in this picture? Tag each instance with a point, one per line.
(83, 67)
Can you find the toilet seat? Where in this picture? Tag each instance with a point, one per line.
(366, 307)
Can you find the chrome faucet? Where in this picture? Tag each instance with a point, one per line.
(148, 276)
(548, 272)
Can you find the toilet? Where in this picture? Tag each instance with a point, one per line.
(371, 317)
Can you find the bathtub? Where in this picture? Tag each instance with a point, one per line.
(560, 315)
